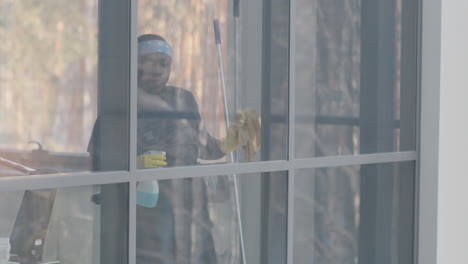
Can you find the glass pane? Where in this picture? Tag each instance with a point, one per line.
(68, 225)
(355, 214)
(63, 66)
(356, 76)
(192, 82)
(197, 220)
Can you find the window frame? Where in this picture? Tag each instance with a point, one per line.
(424, 234)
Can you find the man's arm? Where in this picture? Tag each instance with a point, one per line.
(208, 147)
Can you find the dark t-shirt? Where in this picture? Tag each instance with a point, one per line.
(175, 130)
(179, 228)
(173, 126)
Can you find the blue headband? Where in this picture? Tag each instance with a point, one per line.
(153, 46)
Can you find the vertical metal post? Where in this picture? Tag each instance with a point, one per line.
(226, 117)
(409, 114)
(132, 219)
(292, 127)
(428, 159)
(236, 53)
(376, 128)
(113, 105)
(275, 81)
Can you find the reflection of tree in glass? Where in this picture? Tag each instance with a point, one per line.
(328, 72)
(48, 72)
(188, 26)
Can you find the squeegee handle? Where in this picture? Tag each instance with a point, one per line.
(236, 8)
(216, 31)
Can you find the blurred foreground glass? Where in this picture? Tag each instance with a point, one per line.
(355, 214)
(182, 105)
(356, 76)
(197, 220)
(69, 225)
(63, 64)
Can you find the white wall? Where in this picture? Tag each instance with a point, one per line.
(452, 224)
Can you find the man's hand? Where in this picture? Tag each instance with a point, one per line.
(245, 130)
(151, 161)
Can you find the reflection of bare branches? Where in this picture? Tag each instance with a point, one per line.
(225, 226)
(330, 220)
(327, 208)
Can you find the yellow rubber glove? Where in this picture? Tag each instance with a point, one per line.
(149, 160)
(245, 130)
(229, 143)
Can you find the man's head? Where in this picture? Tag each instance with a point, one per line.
(154, 62)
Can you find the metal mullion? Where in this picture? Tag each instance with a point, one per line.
(430, 64)
(132, 223)
(210, 170)
(34, 182)
(48, 181)
(418, 135)
(132, 133)
(340, 161)
(271, 166)
(133, 84)
(291, 130)
(290, 210)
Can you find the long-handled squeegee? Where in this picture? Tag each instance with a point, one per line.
(226, 117)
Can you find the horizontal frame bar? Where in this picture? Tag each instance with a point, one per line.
(34, 182)
(211, 170)
(48, 181)
(272, 166)
(326, 162)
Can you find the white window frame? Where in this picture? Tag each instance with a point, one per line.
(428, 148)
(443, 213)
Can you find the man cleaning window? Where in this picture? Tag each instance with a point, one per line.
(178, 228)
(173, 222)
